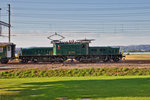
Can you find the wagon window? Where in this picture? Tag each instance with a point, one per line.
(8, 48)
(100, 49)
(110, 51)
(1, 49)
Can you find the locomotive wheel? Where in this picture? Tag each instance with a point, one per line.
(24, 61)
(4, 61)
(116, 59)
(35, 60)
(61, 60)
(83, 60)
(106, 60)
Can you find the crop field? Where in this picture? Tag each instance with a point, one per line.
(76, 88)
(138, 57)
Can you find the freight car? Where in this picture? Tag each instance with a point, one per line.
(77, 50)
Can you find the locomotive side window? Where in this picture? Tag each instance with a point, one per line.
(1, 49)
(101, 50)
(94, 50)
(113, 51)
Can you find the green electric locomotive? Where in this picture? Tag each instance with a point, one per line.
(75, 50)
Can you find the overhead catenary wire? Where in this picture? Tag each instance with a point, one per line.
(22, 13)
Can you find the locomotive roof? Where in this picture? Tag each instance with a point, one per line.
(6, 44)
(70, 42)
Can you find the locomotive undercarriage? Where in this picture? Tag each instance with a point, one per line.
(63, 58)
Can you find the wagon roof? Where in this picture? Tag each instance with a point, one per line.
(6, 44)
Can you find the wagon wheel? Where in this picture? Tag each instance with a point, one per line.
(4, 61)
(106, 59)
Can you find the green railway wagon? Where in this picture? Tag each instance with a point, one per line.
(41, 51)
(7, 51)
(70, 49)
(103, 51)
(36, 54)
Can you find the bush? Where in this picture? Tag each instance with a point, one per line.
(74, 72)
(134, 70)
(101, 69)
(139, 73)
(115, 69)
(125, 69)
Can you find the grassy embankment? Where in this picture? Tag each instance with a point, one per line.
(97, 88)
(97, 84)
(138, 57)
(26, 73)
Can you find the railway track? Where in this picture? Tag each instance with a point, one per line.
(71, 65)
(69, 62)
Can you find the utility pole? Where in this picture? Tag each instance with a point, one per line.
(9, 23)
(0, 24)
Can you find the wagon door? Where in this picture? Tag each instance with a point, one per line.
(9, 51)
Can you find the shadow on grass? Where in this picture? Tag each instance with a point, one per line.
(73, 89)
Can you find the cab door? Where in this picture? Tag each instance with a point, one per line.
(9, 52)
(1, 52)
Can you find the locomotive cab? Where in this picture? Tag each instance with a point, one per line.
(7, 52)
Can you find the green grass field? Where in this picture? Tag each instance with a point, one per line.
(137, 57)
(97, 88)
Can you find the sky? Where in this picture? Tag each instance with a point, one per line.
(109, 22)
